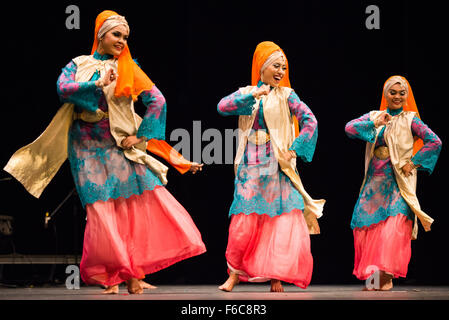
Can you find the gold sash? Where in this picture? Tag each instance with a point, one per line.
(382, 153)
(36, 164)
(282, 134)
(90, 116)
(259, 137)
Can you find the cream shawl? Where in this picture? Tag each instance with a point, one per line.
(37, 163)
(282, 134)
(399, 140)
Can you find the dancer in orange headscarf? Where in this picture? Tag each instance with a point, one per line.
(272, 215)
(134, 225)
(132, 82)
(386, 214)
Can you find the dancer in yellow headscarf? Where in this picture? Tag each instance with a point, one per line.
(272, 214)
(134, 225)
(386, 214)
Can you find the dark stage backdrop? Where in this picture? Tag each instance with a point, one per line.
(199, 52)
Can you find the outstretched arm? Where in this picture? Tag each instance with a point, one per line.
(162, 149)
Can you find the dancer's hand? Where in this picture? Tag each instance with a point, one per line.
(195, 167)
(108, 78)
(382, 120)
(131, 141)
(263, 90)
(290, 154)
(408, 168)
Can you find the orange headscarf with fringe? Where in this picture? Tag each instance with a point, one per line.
(261, 54)
(409, 105)
(131, 80)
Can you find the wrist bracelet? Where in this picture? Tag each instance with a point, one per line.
(410, 162)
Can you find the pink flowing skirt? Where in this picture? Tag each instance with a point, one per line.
(383, 246)
(129, 238)
(261, 248)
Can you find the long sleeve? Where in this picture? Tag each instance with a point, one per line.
(162, 149)
(153, 123)
(428, 155)
(361, 128)
(82, 94)
(236, 104)
(304, 145)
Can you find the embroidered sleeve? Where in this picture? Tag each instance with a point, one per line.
(82, 94)
(304, 145)
(361, 128)
(153, 123)
(428, 155)
(236, 104)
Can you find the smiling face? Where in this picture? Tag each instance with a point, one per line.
(274, 73)
(114, 41)
(396, 96)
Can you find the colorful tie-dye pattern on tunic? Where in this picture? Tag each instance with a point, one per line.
(380, 197)
(260, 186)
(99, 167)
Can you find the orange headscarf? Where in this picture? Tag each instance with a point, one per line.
(410, 105)
(261, 54)
(131, 79)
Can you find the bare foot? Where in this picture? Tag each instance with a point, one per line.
(111, 290)
(145, 285)
(387, 286)
(230, 283)
(368, 289)
(386, 281)
(134, 286)
(276, 286)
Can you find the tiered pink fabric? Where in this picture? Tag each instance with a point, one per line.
(384, 246)
(139, 235)
(261, 248)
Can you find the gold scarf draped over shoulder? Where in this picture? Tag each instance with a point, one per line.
(36, 164)
(399, 140)
(281, 128)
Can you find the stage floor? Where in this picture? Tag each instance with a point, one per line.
(240, 292)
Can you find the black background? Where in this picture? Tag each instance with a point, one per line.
(199, 52)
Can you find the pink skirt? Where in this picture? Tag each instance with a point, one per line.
(384, 246)
(129, 238)
(261, 248)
